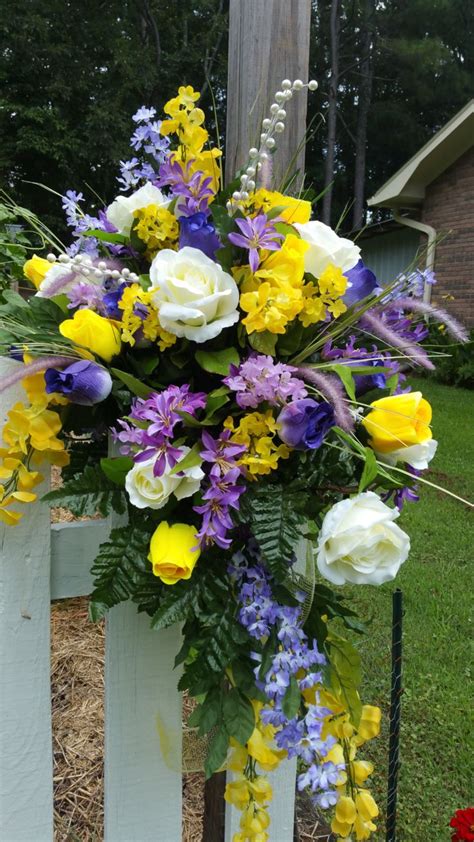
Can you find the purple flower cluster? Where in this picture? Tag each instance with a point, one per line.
(156, 417)
(257, 233)
(261, 379)
(192, 189)
(145, 139)
(302, 737)
(362, 356)
(223, 492)
(80, 222)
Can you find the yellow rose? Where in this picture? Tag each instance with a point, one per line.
(398, 421)
(173, 552)
(94, 332)
(35, 269)
(294, 210)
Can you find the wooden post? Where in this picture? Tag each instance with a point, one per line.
(268, 42)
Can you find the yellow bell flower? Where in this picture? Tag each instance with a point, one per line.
(369, 725)
(35, 269)
(261, 790)
(238, 757)
(173, 552)
(345, 810)
(94, 332)
(259, 749)
(237, 793)
(398, 421)
(360, 770)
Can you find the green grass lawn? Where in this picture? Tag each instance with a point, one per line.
(437, 769)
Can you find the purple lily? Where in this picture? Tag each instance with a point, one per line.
(257, 233)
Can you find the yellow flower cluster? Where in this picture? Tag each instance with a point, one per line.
(257, 432)
(132, 322)
(30, 436)
(186, 122)
(356, 808)
(276, 293)
(249, 791)
(157, 227)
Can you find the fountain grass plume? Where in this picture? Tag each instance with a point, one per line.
(331, 388)
(455, 328)
(372, 320)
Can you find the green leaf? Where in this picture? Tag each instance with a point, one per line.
(263, 342)
(371, 469)
(238, 716)
(210, 711)
(176, 604)
(285, 229)
(344, 373)
(88, 493)
(345, 675)
(116, 468)
(292, 699)
(189, 461)
(218, 362)
(105, 236)
(120, 568)
(136, 386)
(216, 399)
(275, 523)
(217, 752)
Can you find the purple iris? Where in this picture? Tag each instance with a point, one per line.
(83, 382)
(305, 423)
(257, 233)
(197, 232)
(111, 301)
(361, 283)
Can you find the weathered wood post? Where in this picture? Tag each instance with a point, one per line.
(268, 42)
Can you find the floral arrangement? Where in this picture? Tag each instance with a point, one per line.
(250, 370)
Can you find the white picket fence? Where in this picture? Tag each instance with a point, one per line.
(40, 562)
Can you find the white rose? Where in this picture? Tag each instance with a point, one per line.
(417, 455)
(194, 297)
(360, 543)
(326, 247)
(149, 492)
(120, 212)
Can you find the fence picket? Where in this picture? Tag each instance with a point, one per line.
(142, 772)
(26, 772)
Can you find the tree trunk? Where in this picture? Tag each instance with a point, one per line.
(268, 42)
(332, 112)
(364, 101)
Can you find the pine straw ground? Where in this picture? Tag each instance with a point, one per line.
(77, 676)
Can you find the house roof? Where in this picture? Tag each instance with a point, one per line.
(406, 189)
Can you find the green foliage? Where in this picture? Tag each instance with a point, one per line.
(457, 368)
(217, 362)
(88, 493)
(344, 673)
(120, 568)
(15, 248)
(273, 514)
(116, 468)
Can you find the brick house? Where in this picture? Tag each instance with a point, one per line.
(432, 202)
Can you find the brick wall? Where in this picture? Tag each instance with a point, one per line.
(449, 207)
